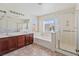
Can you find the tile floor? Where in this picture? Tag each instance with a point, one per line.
(33, 50)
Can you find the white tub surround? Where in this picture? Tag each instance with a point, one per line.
(46, 39)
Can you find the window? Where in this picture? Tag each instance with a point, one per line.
(34, 25)
(50, 25)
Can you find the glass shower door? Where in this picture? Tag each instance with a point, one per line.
(68, 34)
(68, 41)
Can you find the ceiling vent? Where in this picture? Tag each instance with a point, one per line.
(40, 4)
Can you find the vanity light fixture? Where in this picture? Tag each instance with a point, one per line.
(17, 13)
(2, 11)
(3, 15)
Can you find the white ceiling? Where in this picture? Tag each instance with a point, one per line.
(34, 8)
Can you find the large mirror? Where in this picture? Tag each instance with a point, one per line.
(10, 24)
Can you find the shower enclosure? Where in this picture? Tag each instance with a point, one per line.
(65, 25)
(68, 34)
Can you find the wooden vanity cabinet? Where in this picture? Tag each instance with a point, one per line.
(21, 41)
(8, 44)
(12, 43)
(4, 46)
(29, 39)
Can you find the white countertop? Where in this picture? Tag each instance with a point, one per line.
(13, 34)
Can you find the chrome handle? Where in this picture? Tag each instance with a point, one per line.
(58, 43)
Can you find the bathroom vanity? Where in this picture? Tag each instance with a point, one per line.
(12, 42)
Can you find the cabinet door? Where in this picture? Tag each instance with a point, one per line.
(12, 43)
(21, 41)
(31, 38)
(4, 46)
(27, 40)
(0, 47)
